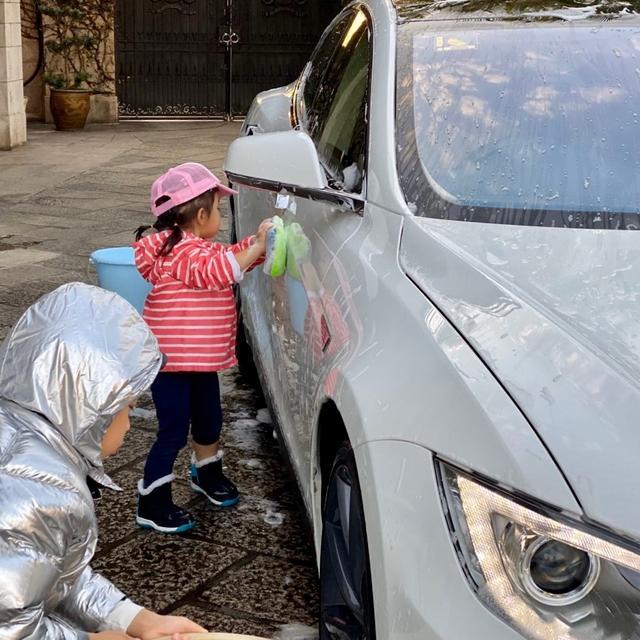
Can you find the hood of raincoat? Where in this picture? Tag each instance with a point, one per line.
(77, 357)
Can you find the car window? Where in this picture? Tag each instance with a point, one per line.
(531, 125)
(337, 116)
(320, 61)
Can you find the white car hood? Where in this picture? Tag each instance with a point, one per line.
(555, 314)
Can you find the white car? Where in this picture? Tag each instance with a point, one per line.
(453, 350)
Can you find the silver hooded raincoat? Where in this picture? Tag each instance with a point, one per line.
(74, 359)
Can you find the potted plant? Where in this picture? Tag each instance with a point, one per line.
(69, 102)
(75, 32)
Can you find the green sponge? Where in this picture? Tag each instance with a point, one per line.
(276, 261)
(298, 249)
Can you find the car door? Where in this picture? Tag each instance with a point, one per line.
(262, 296)
(315, 324)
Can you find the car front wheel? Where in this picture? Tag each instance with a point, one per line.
(346, 599)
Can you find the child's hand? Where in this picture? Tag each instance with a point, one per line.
(148, 625)
(261, 234)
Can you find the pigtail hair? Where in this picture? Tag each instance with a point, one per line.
(171, 241)
(170, 220)
(140, 231)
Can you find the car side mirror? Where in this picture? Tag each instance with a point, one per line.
(285, 161)
(280, 160)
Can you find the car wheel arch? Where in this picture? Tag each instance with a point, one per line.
(331, 434)
(333, 443)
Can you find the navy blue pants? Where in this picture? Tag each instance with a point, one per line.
(183, 400)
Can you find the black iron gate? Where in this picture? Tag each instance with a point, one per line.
(208, 58)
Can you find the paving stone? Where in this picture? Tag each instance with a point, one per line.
(19, 257)
(81, 245)
(65, 200)
(59, 220)
(21, 297)
(30, 213)
(248, 436)
(280, 591)
(107, 188)
(255, 524)
(157, 570)
(259, 476)
(9, 315)
(4, 330)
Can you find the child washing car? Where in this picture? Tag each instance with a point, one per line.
(192, 312)
(69, 371)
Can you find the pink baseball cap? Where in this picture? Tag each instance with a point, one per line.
(181, 184)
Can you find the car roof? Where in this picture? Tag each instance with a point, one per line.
(417, 10)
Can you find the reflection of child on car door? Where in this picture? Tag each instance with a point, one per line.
(191, 310)
(314, 313)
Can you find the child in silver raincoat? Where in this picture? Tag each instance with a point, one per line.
(69, 370)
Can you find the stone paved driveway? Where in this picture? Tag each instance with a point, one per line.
(250, 569)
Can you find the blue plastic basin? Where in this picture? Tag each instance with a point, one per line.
(117, 272)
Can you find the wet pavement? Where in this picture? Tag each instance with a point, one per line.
(249, 569)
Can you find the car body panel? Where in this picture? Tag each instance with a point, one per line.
(421, 594)
(382, 185)
(554, 314)
(386, 387)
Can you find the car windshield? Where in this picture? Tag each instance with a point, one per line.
(527, 124)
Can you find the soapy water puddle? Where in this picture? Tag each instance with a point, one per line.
(263, 510)
(273, 518)
(145, 414)
(296, 632)
(252, 463)
(247, 434)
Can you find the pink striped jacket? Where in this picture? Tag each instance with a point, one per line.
(191, 308)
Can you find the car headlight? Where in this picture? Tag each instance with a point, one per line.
(544, 573)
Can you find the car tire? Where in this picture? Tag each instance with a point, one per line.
(346, 595)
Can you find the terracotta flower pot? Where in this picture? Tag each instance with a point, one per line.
(70, 108)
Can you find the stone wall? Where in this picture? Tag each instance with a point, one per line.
(34, 91)
(13, 128)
